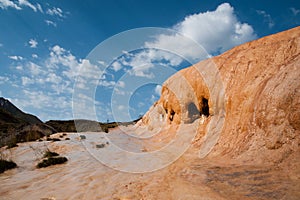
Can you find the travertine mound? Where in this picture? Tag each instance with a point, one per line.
(261, 81)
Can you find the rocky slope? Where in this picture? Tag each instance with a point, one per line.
(17, 126)
(17, 113)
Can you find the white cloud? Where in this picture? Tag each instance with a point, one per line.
(27, 81)
(121, 107)
(141, 63)
(55, 11)
(49, 22)
(33, 43)
(116, 66)
(34, 69)
(28, 4)
(1, 45)
(158, 90)
(107, 84)
(216, 31)
(3, 79)
(34, 56)
(4, 4)
(295, 11)
(16, 57)
(47, 86)
(19, 67)
(39, 7)
(267, 17)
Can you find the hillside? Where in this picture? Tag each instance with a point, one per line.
(17, 113)
(17, 126)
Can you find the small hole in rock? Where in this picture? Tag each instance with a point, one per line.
(205, 107)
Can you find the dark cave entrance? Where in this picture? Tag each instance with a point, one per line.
(195, 113)
(204, 108)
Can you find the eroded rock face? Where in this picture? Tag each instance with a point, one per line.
(262, 98)
(184, 98)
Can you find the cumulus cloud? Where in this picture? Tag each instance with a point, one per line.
(33, 43)
(27, 81)
(216, 31)
(16, 57)
(267, 18)
(34, 56)
(140, 64)
(19, 67)
(158, 90)
(116, 66)
(48, 84)
(4, 4)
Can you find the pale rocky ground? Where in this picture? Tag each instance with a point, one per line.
(247, 148)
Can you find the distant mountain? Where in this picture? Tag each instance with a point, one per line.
(17, 126)
(10, 108)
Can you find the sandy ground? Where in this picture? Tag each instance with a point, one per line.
(85, 177)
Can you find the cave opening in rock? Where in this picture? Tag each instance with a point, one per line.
(172, 113)
(204, 108)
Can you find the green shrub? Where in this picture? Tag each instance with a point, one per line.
(6, 165)
(51, 161)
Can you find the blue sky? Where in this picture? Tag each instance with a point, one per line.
(44, 46)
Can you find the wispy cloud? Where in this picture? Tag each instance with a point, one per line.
(49, 22)
(4, 4)
(295, 11)
(3, 79)
(55, 11)
(18, 5)
(33, 43)
(267, 17)
(28, 4)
